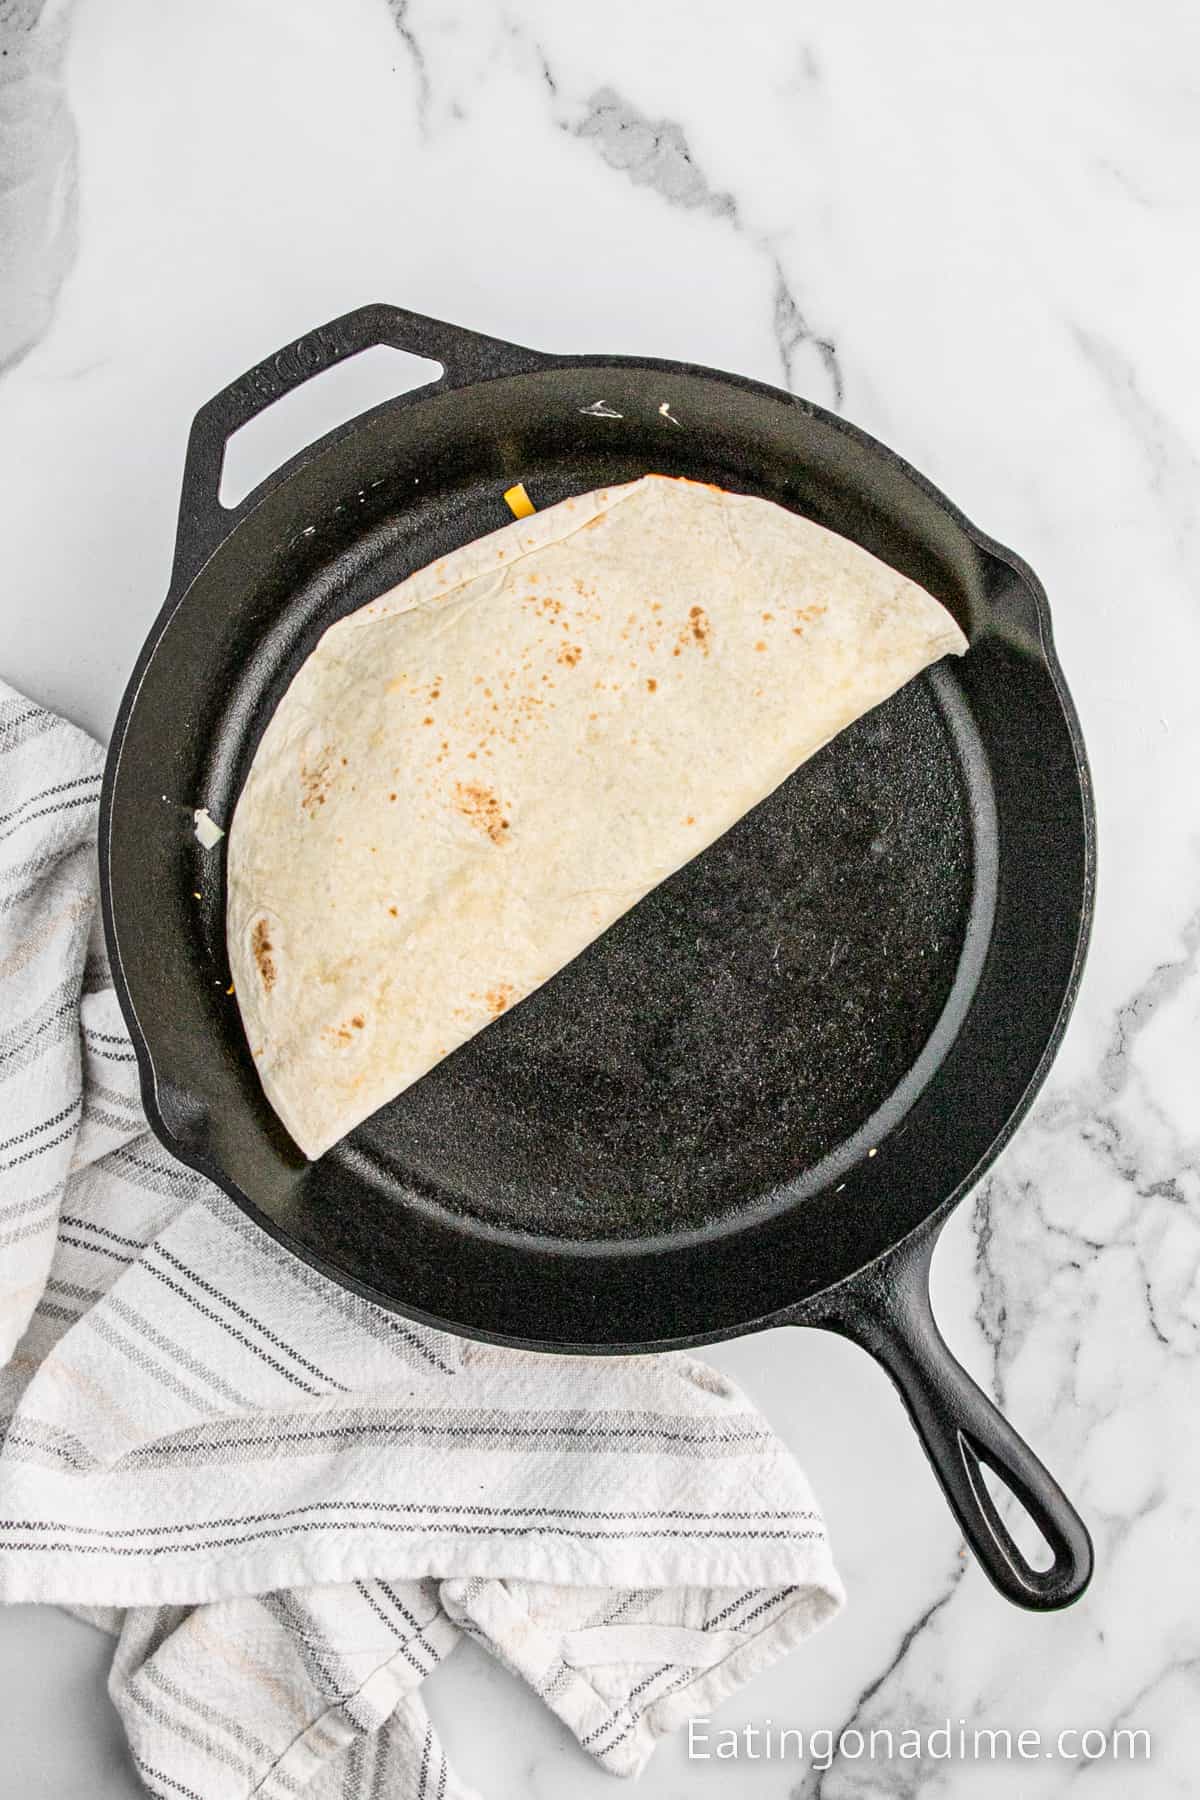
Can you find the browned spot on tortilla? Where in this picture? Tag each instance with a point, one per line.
(499, 998)
(315, 781)
(760, 645)
(691, 819)
(809, 613)
(767, 617)
(570, 654)
(392, 796)
(357, 1021)
(547, 606)
(697, 630)
(393, 912)
(427, 720)
(261, 948)
(652, 685)
(687, 481)
(593, 522)
(481, 807)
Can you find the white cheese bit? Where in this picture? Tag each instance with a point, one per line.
(208, 832)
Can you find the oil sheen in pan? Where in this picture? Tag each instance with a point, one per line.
(811, 967)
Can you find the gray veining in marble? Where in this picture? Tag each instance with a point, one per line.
(654, 153)
(37, 171)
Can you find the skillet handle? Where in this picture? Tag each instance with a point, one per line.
(886, 1310)
(465, 356)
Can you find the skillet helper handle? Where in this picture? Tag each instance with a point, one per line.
(465, 356)
(887, 1312)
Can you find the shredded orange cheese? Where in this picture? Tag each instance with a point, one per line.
(519, 503)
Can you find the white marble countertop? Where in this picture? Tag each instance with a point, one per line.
(974, 231)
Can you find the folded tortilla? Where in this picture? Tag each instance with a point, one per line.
(473, 776)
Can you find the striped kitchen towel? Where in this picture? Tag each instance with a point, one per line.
(287, 1503)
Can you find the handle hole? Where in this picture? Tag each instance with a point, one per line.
(1019, 1522)
(320, 404)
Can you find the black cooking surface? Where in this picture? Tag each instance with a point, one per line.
(735, 1027)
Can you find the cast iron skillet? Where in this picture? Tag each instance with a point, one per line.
(755, 1100)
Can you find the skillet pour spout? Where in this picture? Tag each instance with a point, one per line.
(758, 1096)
